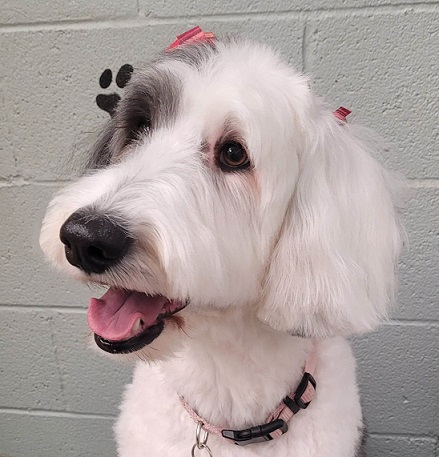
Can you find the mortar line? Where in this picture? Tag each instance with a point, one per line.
(412, 322)
(304, 44)
(62, 309)
(404, 435)
(51, 413)
(415, 183)
(58, 364)
(18, 181)
(97, 23)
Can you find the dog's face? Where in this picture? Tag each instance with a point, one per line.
(211, 188)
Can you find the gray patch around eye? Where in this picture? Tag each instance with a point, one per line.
(101, 151)
(154, 94)
(152, 97)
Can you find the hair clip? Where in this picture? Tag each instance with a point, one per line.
(341, 114)
(191, 36)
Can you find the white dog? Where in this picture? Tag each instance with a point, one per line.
(243, 231)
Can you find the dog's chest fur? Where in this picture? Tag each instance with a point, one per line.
(154, 423)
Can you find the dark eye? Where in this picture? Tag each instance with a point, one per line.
(142, 125)
(232, 156)
(136, 128)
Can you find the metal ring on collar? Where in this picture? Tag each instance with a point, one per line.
(201, 447)
(201, 443)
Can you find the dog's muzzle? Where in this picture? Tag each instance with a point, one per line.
(93, 243)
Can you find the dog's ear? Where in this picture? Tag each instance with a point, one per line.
(332, 270)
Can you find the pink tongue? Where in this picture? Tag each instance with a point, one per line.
(112, 316)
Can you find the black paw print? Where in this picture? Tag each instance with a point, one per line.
(108, 102)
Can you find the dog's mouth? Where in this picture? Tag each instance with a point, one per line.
(125, 321)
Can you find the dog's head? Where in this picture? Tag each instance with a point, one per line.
(221, 182)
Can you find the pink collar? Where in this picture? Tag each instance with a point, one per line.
(277, 422)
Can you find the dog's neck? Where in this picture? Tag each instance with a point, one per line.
(234, 370)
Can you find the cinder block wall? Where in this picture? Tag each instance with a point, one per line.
(58, 398)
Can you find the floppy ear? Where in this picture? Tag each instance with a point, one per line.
(332, 271)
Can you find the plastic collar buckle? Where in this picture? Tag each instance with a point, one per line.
(297, 403)
(257, 434)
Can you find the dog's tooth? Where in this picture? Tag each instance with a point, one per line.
(137, 325)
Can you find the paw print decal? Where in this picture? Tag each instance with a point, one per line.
(108, 102)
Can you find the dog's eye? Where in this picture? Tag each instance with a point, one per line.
(142, 125)
(232, 156)
(137, 127)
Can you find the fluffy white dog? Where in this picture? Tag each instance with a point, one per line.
(243, 231)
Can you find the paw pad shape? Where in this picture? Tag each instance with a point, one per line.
(108, 102)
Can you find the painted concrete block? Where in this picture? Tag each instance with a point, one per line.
(55, 436)
(28, 361)
(26, 278)
(164, 8)
(7, 159)
(92, 380)
(419, 272)
(383, 67)
(32, 11)
(400, 446)
(398, 373)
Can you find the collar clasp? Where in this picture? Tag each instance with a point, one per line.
(257, 434)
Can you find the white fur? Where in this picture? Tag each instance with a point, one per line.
(303, 244)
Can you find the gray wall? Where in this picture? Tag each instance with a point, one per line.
(380, 58)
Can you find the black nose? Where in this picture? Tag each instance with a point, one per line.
(93, 243)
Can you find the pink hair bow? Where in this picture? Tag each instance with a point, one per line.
(341, 114)
(191, 36)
